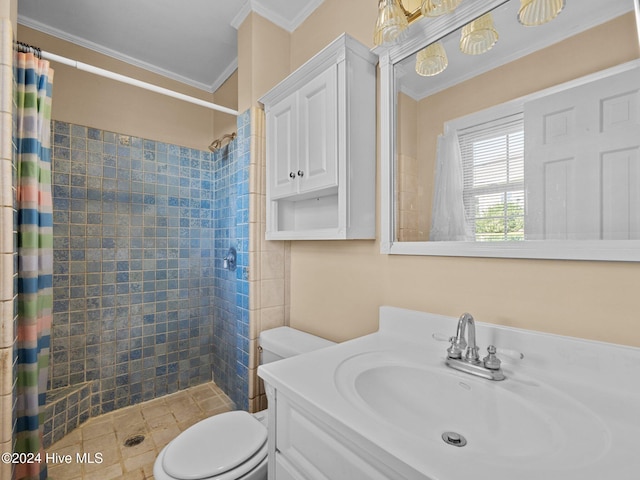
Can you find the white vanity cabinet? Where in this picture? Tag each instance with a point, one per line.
(320, 146)
(304, 447)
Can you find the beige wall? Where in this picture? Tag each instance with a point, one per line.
(87, 99)
(337, 287)
(9, 10)
(226, 95)
(330, 20)
(263, 58)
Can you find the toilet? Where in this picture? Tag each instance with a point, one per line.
(232, 445)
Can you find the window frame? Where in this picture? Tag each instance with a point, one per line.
(467, 133)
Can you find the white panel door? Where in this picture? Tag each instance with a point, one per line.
(582, 171)
(282, 145)
(318, 124)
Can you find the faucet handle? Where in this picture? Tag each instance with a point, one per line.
(491, 361)
(454, 350)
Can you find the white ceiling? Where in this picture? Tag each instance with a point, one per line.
(192, 41)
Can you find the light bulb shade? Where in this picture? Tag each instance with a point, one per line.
(391, 23)
(478, 36)
(537, 12)
(435, 8)
(431, 60)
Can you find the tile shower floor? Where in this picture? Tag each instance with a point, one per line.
(159, 420)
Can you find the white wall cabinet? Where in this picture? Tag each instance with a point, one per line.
(304, 141)
(321, 147)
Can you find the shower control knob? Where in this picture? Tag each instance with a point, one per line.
(292, 175)
(300, 173)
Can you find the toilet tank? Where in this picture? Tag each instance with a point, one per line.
(283, 342)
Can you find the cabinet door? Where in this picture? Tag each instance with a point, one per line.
(282, 145)
(318, 124)
(308, 448)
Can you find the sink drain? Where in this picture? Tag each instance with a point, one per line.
(134, 440)
(455, 439)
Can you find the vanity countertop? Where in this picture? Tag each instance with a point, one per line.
(596, 383)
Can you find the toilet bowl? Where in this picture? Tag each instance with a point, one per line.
(228, 446)
(232, 445)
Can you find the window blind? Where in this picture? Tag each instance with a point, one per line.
(493, 185)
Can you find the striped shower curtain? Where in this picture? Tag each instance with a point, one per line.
(35, 255)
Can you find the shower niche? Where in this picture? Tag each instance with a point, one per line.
(321, 148)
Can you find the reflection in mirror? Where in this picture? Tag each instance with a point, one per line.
(534, 134)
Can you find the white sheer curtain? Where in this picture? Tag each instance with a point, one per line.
(448, 220)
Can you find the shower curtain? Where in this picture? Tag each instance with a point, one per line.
(449, 220)
(35, 255)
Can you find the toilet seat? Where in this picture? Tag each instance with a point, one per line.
(222, 447)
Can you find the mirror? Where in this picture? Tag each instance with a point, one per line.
(530, 149)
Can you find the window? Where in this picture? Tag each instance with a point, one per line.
(493, 170)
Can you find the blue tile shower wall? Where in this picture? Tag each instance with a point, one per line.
(142, 306)
(231, 306)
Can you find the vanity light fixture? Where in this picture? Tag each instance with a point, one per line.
(478, 36)
(537, 12)
(394, 16)
(431, 60)
(435, 8)
(392, 22)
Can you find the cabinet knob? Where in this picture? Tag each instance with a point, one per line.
(300, 173)
(292, 175)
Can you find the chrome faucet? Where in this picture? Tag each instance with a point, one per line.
(488, 368)
(458, 343)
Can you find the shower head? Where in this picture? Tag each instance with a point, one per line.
(217, 144)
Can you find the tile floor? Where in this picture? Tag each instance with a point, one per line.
(159, 420)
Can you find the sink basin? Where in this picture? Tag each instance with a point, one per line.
(519, 422)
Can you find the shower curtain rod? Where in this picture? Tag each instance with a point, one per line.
(124, 79)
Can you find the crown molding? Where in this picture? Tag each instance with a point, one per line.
(244, 12)
(305, 13)
(233, 66)
(260, 7)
